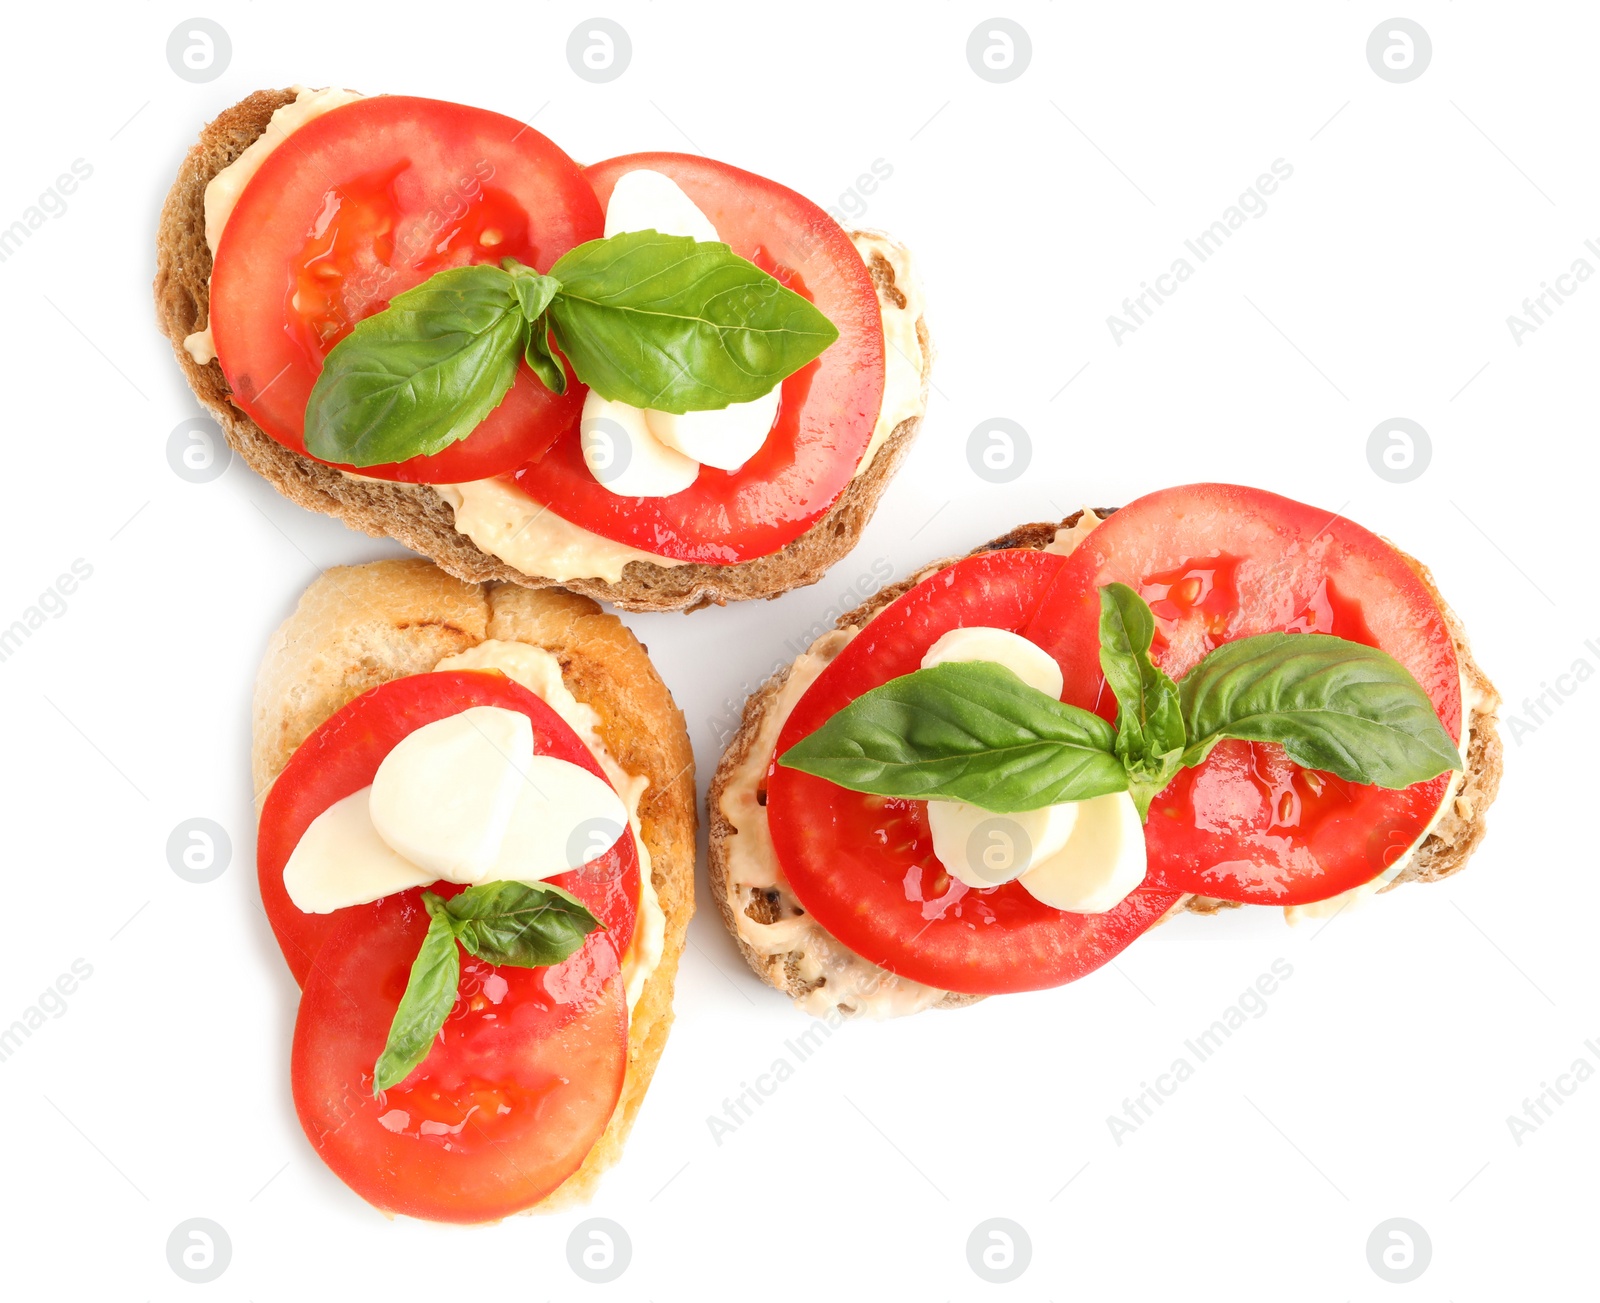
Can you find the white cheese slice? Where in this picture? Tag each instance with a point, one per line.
(625, 457)
(724, 437)
(643, 200)
(977, 846)
(1027, 660)
(1102, 862)
(462, 799)
(1082, 856)
(984, 849)
(340, 860)
(539, 671)
(444, 797)
(679, 443)
(564, 817)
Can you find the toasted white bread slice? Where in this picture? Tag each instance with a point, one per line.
(359, 626)
(795, 955)
(416, 515)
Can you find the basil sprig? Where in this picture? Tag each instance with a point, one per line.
(526, 926)
(658, 321)
(964, 731)
(975, 732)
(1150, 727)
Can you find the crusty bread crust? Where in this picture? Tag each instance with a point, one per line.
(417, 516)
(359, 626)
(1444, 852)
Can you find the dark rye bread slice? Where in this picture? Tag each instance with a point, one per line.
(1444, 852)
(414, 514)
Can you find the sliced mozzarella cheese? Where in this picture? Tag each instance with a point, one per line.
(984, 849)
(1028, 661)
(1082, 856)
(977, 846)
(1102, 861)
(463, 799)
(625, 457)
(643, 200)
(726, 437)
(444, 797)
(649, 454)
(340, 860)
(539, 671)
(564, 817)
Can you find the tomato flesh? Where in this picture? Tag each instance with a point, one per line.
(828, 408)
(1219, 562)
(863, 866)
(343, 754)
(366, 201)
(518, 1087)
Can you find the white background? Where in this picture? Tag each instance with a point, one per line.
(1377, 284)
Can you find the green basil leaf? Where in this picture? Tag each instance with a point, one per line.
(533, 291)
(421, 374)
(430, 995)
(541, 359)
(534, 294)
(1334, 705)
(1150, 732)
(964, 731)
(679, 325)
(521, 924)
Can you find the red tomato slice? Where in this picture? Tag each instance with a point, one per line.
(371, 199)
(513, 1095)
(828, 408)
(864, 867)
(1218, 562)
(344, 752)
